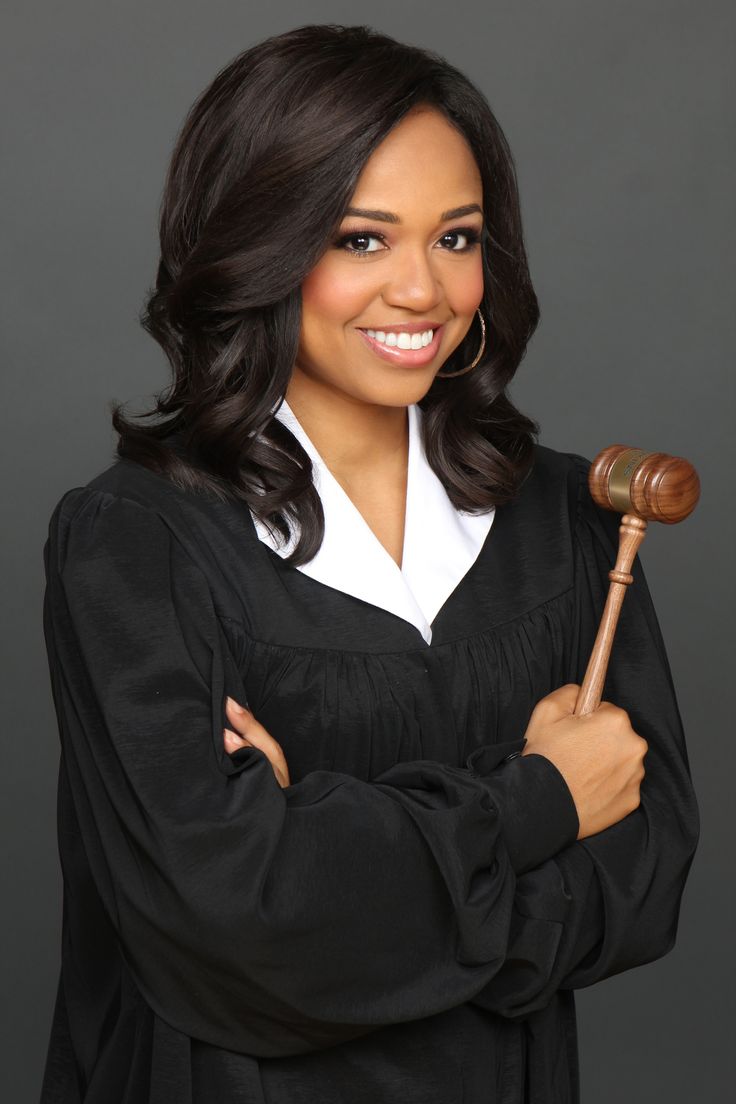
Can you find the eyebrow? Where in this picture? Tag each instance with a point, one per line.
(388, 216)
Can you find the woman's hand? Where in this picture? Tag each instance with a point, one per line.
(598, 754)
(250, 732)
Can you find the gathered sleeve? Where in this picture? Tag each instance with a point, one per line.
(611, 901)
(266, 920)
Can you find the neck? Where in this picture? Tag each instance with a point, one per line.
(353, 438)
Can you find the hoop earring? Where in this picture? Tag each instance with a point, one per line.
(479, 354)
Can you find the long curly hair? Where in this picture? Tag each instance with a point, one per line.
(260, 176)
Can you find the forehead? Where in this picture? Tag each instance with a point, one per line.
(424, 162)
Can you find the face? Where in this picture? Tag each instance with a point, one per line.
(411, 272)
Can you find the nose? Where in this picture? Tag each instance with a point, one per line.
(413, 283)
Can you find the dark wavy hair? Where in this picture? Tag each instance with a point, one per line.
(261, 173)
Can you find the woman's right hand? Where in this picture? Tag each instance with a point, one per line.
(250, 732)
(598, 754)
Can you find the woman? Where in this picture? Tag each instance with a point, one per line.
(382, 879)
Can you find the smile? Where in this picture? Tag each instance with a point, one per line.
(403, 347)
(403, 340)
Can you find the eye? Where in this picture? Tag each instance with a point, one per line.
(469, 234)
(359, 236)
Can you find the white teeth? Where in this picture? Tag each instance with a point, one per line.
(403, 340)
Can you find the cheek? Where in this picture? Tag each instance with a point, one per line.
(467, 292)
(331, 296)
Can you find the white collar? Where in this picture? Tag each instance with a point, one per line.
(440, 543)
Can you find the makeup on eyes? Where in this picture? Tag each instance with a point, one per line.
(471, 233)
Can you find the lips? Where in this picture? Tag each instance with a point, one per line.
(407, 357)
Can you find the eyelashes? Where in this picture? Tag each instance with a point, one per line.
(471, 235)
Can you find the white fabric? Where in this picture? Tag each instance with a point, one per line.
(440, 543)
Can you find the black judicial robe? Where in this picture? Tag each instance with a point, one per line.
(407, 922)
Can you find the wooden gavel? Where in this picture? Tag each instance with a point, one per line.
(643, 486)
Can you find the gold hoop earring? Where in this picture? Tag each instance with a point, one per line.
(479, 354)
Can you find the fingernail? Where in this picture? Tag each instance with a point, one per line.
(234, 705)
(233, 738)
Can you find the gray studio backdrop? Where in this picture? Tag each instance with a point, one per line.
(620, 115)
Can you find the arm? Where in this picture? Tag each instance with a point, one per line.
(613, 898)
(264, 920)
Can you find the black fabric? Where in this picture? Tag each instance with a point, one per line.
(405, 922)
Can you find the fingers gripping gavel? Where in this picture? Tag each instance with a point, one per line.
(643, 486)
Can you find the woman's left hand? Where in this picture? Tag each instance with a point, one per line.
(250, 731)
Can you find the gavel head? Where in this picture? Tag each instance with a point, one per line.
(651, 485)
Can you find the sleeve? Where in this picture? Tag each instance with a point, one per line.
(264, 920)
(611, 901)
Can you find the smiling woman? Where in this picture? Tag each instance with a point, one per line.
(382, 878)
(332, 181)
(410, 301)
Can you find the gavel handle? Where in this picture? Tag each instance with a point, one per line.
(630, 535)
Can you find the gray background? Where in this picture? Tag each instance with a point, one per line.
(620, 116)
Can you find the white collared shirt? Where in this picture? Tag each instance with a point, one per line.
(440, 543)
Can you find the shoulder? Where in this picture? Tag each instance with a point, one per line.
(128, 519)
(127, 483)
(564, 476)
(557, 484)
(125, 508)
(551, 463)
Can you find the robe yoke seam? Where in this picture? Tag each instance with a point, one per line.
(401, 651)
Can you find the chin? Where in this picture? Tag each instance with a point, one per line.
(400, 393)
